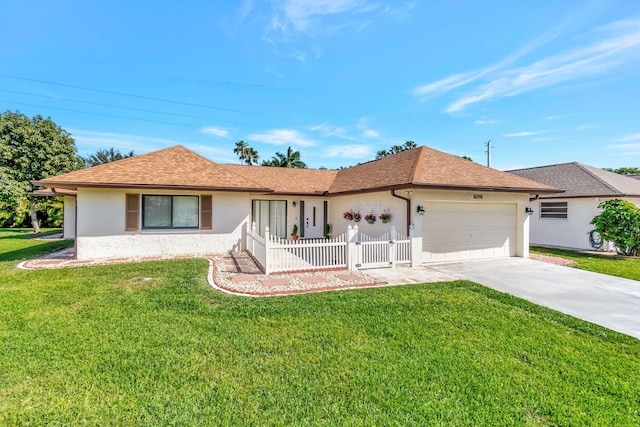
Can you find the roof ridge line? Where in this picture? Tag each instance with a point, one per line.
(416, 162)
(602, 181)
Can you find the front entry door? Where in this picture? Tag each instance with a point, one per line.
(313, 219)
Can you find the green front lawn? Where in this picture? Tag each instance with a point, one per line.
(153, 344)
(627, 267)
(16, 244)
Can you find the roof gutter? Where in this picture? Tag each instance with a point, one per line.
(393, 193)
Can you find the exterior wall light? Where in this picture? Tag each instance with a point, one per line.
(294, 204)
(528, 210)
(420, 210)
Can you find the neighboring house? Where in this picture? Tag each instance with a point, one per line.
(564, 219)
(174, 201)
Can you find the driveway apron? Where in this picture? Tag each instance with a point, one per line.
(608, 301)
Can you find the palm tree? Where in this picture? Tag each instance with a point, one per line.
(289, 160)
(409, 145)
(382, 153)
(247, 155)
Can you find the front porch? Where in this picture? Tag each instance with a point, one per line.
(352, 250)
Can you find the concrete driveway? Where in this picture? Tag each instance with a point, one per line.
(608, 301)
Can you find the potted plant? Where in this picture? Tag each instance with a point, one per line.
(385, 218)
(371, 218)
(327, 230)
(357, 217)
(294, 232)
(348, 215)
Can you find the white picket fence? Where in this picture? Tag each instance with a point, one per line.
(351, 250)
(383, 251)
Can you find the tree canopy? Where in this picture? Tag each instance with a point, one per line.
(624, 170)
(103, 156)
(289, 160)
(394, 149)
(31, 149)
(247, 154)
(619, 222)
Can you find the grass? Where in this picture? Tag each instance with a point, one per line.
(153, 344)
(621, 266)
(17, 244)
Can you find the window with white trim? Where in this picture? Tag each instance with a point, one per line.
(162, 212)
(557, 210)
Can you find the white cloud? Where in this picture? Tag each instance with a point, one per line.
(88, 140)
(370, 133)
(486, 122)
(328, 131)
(520, 134)
(282, 137)
(212, 130)
(631, 137)
(355, 151)
(318, 18)
(348, 133)
(615, 47)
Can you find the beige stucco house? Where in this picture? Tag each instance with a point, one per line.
(176, 202)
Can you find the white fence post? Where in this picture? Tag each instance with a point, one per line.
(416, 247)
(393, 248)
(253, 233)
(267, 251)
(352, 238)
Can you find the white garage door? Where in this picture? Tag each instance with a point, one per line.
(461, 231)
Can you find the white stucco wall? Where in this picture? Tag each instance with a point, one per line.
(519, 199)
(572, 232)
(101, 226)
(395, 207)
(69, 218)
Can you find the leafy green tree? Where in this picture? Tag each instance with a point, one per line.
(31, 149)
(103, 156)
(619, 222)
(467, 158)
(289, 160)
(247, 154)
(395, 149)
(624, 170)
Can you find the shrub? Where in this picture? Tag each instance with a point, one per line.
(619, 222)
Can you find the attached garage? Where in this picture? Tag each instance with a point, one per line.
(454, 231)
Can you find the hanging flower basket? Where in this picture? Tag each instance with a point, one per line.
(371, 218)
(385, 218)
(356, 217)
(348, 216)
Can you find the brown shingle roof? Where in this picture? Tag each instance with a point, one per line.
(288, 180)
(426, 167)
(178, 167)
(174, 167)
(580, 180)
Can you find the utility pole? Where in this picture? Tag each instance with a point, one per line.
(488, 144)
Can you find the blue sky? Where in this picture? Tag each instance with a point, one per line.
(546, 81)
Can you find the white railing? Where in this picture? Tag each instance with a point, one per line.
(256, 246)
(386, 250)
(351, 250)
(307, 254)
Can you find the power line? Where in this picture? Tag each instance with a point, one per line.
(100, 114)
(115, 106)
(149, 98)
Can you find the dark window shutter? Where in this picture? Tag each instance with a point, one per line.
(132, 220)
(206, 212)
